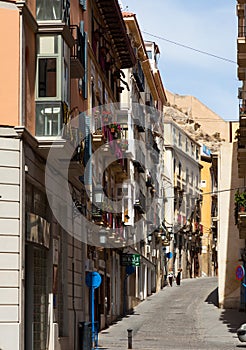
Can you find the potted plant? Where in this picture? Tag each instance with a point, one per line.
(106, 116)
(240, 201)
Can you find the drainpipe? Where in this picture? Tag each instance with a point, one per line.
(21, 5)
(73, 286)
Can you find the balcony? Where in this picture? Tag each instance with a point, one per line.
(150, 181)
(240, 217)
(77, 55)
(154, 153)
(138, 116)
(140, 162)
(241, 136)
(149, 140)
(241, 73)
(242, 225)
(241, 57)
(139, 76)
(140, 203)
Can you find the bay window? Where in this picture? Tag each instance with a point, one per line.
(52, 84)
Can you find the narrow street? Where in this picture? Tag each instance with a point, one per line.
(178, 317)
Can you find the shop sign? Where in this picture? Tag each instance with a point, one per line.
(130, 260)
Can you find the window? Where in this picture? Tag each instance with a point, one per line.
(52, 84)
(149, 53)
(180, 169)
(192, 177)
(48, 10)
(83, 4)
(186, 145)
(53, 10)
(47, 77)
(197, 153)
(187, 175)
(49, 119)
(192, 148)
(180, 139)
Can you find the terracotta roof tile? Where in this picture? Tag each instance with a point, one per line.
(128, 14)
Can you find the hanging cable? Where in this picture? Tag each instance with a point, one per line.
(190, 48)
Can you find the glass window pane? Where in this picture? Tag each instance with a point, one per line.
(48, 10)
(47, 77)
(48, 119)
(47, 44)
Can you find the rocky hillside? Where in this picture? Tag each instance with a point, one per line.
(194, 129)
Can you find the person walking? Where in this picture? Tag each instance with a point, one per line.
(170, 277)
(178, 277)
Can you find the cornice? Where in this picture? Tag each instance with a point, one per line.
(25, 11)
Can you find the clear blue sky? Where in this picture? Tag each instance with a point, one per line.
(205, 25)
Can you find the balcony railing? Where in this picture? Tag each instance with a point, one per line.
(77, 54)
(241, 31)
(139, 76)
(140, 203)
(139, 116)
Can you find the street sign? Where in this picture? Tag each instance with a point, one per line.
(93, 279)
(169, 255)
(240, 272)
(130, 260)
(130, 270)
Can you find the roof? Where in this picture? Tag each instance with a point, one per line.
(128, 14)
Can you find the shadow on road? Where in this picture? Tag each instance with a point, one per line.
(213, 298)
(233, 318)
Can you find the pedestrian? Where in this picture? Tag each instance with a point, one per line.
(178, 277)
(170, 277)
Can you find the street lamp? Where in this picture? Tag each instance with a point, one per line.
(149, 238)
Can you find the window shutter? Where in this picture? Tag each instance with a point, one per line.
(84, 55)
(87, 151)
(85, 74)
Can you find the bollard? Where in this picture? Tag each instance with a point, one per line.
(129, 331)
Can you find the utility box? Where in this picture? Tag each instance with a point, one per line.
(85, 341)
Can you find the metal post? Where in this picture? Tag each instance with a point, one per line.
(129, 331)
(125, 296)
(92, 319)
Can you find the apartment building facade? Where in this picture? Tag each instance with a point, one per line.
(71, 64)
(183, 199)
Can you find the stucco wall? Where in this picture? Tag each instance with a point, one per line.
(228, 240)
(9, 67)
(10, 244)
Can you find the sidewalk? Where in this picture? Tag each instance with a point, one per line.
(155, 319)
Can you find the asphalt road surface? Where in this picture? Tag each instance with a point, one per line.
(179, 317)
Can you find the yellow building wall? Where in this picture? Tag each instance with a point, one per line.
(206, 268)
(9, 67)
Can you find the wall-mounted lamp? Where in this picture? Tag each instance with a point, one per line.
(103, 235)
(163, 235)
(149, 238)
(98, 194)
